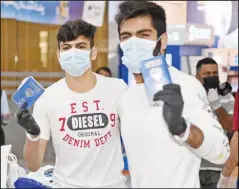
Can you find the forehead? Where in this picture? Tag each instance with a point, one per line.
(133, 25)
(209, 67)
(79, 39)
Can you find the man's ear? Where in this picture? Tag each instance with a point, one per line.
(164, 42)
(197, 76)
(161, 45)
(94, 53)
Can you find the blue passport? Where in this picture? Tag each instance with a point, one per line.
(156, 74)
(29, 91)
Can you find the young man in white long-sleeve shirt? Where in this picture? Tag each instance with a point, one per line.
(164, 144)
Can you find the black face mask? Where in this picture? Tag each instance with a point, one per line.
(211, 82)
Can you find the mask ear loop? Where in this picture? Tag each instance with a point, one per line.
(157, 48)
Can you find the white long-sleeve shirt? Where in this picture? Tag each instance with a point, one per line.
(155, 157)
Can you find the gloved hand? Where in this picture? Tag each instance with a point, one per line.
(26, 120)
(213, 99)
(224, 88)
(172, 108)
(222, 183)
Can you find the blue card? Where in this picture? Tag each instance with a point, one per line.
(156, 75)
(28, 92)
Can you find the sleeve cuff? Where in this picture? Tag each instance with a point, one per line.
(186, 134)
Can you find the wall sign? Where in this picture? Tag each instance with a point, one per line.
(176, 34)
(197, 34)
(190, 34)
(93, 12)
(46, 12)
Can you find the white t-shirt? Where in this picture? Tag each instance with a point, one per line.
(85, 133)
(155, 158)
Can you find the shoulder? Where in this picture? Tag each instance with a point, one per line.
(51, 92)
(132, 93)
(115, 84)
(188, 82)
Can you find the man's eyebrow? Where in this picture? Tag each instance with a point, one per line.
(80, 43)
(65, 44)
(144, 30)
(125, 33)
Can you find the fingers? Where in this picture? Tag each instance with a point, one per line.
(24, 105)
(174, 87)
(23, 111)
(169, 91)
(166, 96)
(26, 115)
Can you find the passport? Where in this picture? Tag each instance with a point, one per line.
(29, 91)
(155, 74)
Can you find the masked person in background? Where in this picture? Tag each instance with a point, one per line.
(232, 161)
(164, 144)
(222, 103)
(105, 71)
(80, 115)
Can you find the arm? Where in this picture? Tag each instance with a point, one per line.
(233, 158)
(33, 153)
(224, 118)
(38, 129)
(230, 164)
(191, 124)
(206, 137)
(224, 111)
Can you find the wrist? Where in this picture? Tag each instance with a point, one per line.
(225, 174)
(183, 137)
(32, 137)
(215, 106)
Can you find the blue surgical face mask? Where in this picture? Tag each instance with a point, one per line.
(75, 61)
(135, 50)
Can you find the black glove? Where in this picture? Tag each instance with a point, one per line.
(26, 120)
(224, 89)
(173, 108)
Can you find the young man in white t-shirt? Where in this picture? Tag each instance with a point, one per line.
(165, 143)
(80, 113)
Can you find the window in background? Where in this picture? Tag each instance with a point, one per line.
(43, 44)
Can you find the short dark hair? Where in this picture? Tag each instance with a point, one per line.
(133, 9)
(72, 29)
(106, 69)
(204, 61)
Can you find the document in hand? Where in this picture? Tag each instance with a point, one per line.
(155, 74)
(29, 91)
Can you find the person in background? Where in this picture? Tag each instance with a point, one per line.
(222, 103)
(164, 143)
(105, 71)
(232, 161)
(5, 115)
